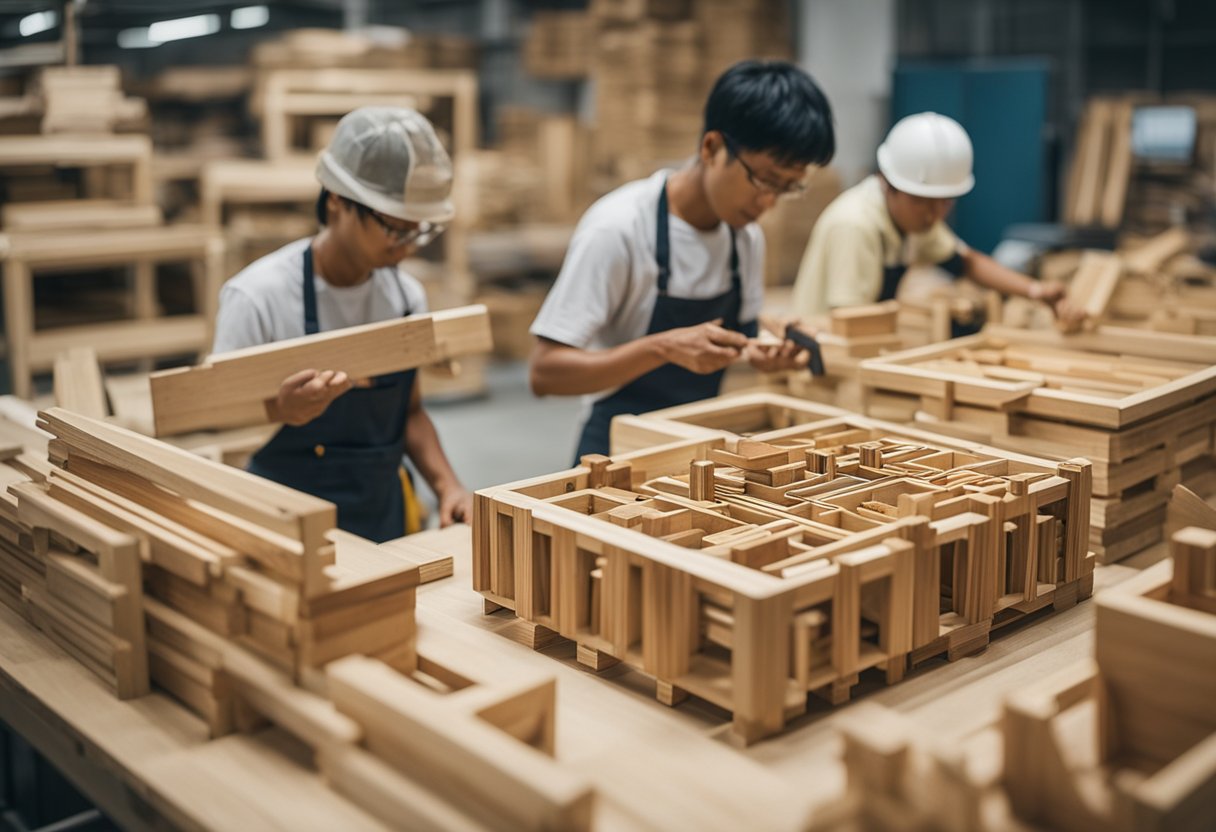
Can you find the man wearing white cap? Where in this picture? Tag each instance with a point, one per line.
(385, 187)
(864, 242)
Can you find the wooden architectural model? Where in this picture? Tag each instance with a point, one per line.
(751, 571)
(1126, 742)
(230, 390)
(1140, 405)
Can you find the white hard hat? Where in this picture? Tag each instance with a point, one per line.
(389, 159)
(927, 155)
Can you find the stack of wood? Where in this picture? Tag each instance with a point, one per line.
(1140, 405)
(1156, 283)
(85, 99)
(738, 29)
(558, 45)
(653, 65)
(238, 597)
(752, 571)
(1109, 187)
(386, 48)
(554, 150)
(1126, 740)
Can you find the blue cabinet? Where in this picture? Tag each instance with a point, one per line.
(1003, 106)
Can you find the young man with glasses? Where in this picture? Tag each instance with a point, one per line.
(868, 237)
(663, 281)
(385, 187)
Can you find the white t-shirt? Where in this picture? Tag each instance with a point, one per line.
(606, 290)
(264, 302)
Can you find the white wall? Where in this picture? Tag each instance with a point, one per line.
(848, 46)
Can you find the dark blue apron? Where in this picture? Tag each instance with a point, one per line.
(954, 266)
(351, 454)
(670, 384)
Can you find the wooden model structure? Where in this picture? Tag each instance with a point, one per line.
(749, 572)
(1126, 742)
(1140, 405)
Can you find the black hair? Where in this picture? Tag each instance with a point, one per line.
(772, 107)
(323, 214)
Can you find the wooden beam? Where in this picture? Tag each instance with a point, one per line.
(231, 389)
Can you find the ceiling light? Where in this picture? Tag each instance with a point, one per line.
(249, 17)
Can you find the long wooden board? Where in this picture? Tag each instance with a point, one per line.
(231, 389)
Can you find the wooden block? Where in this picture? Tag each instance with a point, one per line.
(230, 390)
(476, 765)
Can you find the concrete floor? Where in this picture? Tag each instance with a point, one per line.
(508, 434)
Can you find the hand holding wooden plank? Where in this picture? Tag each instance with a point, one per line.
(232, 389)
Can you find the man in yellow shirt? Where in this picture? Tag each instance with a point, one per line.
(864, 242)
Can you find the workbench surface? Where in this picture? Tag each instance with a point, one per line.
(148, 763)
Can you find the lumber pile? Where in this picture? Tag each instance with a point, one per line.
(653, 64)
(752, 571)
(85, 99)
(1110, 185)
(1140, 405)
(230, 390)
(1125, 741)
(1154, 283)
(558, 45)
(237, 597)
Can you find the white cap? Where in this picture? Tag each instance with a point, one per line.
(927, 155)
(389, 159)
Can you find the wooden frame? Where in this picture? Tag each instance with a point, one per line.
(1145, 419)
(796, 535)
(29, 254)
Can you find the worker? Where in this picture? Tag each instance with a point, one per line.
(866, 239)
(385, 187)
(663, 279)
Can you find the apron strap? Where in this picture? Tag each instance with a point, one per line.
(311, 326)
(662, 244)
(662, 248)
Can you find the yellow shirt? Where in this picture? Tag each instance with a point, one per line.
(854, 239)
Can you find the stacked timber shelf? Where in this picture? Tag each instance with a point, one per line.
(108, 219)
(1125, 741)
(750, 572)
(1140, 405)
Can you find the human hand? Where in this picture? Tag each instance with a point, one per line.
(305, 395)
(705, 348)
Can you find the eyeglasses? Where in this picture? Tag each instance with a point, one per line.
(421, 234)
(792, 189)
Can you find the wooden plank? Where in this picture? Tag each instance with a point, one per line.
(78, 385)
(243, 494)
(230, 389)
(1094, 284)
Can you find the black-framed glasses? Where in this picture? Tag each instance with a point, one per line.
(792, 189)
(421, 234)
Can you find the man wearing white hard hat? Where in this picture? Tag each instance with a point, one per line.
(869, 236)
(385, 187)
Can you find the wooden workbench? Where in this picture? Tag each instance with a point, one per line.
(148, 763)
